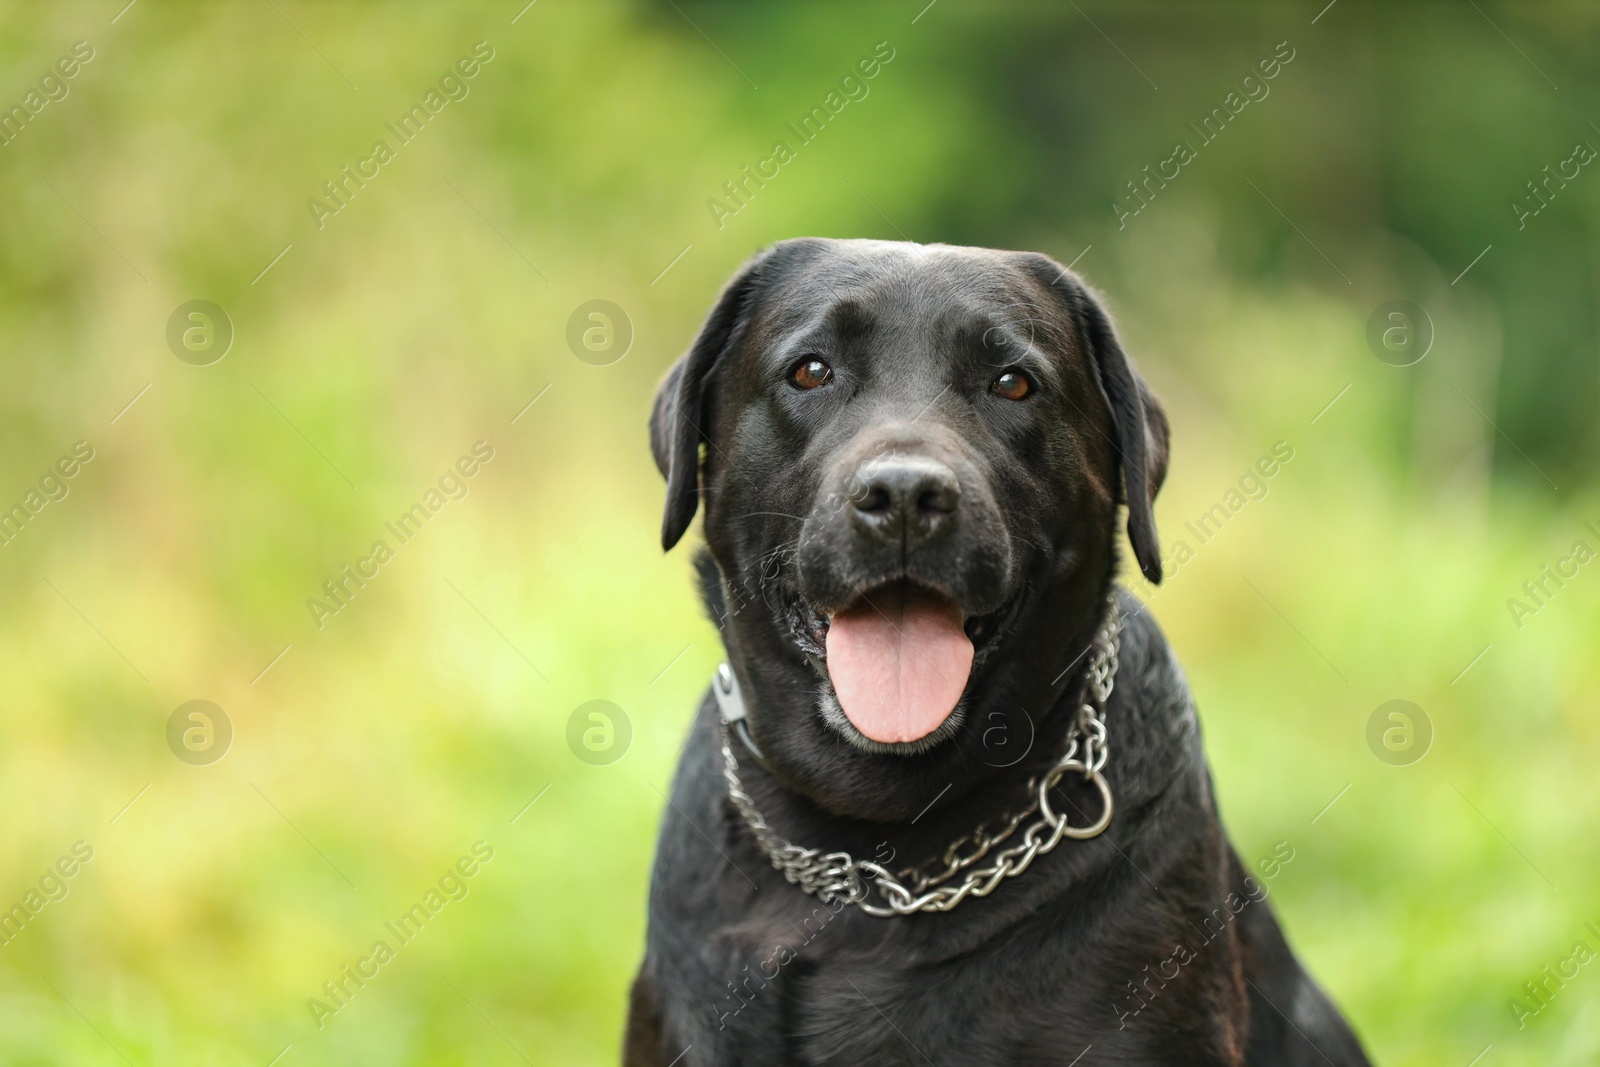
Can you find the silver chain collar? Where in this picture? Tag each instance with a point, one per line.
(831, 876)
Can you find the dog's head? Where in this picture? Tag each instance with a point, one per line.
(911, 458)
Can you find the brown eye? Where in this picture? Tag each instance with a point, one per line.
(1013, 385)
(810, 373)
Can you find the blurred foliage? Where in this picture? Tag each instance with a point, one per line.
(429, 311)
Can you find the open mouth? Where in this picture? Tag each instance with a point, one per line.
(898, 658)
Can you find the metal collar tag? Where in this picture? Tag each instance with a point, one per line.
(730, 702)
(731, 707)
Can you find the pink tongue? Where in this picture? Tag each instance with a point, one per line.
(899, 664)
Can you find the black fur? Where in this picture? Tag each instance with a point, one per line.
(1082, 950)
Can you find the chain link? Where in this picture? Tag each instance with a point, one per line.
(831, 876)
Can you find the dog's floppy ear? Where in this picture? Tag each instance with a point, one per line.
(677, 422)
(1141, 424)
(1141, 429)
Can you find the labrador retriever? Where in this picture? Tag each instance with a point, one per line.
(946, 803)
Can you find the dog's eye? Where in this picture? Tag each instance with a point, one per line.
(810, 373)
(1013, 385)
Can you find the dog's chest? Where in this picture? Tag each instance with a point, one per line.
(837, 990)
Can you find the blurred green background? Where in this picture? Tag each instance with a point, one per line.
(1381, 163)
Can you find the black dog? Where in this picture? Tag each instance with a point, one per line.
(912, 462)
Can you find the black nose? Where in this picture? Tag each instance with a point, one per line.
(907, 499)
